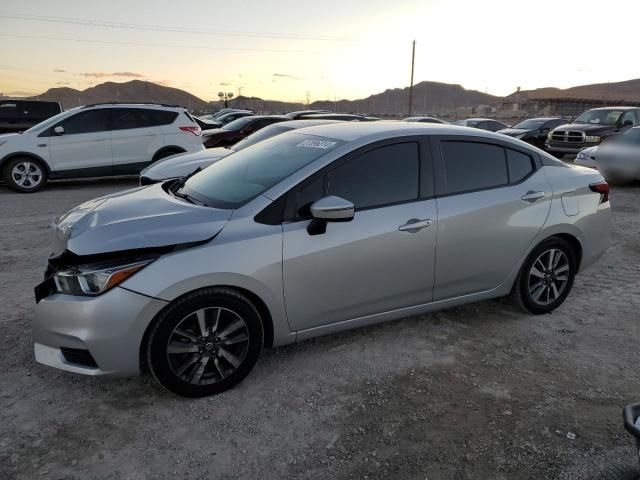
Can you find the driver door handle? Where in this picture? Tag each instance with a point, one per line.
(532, 196)
(414, 225)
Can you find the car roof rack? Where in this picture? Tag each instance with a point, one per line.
(133, 103)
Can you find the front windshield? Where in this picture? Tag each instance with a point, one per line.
(260, 135)
(238, 178)
(599, 117)
(238, 124)
(49, 121)
(530, 124)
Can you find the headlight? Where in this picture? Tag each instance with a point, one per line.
(549, 135)
(95, 280)
(581, 156)
(592, 139)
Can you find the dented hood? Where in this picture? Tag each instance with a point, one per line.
(144, 217)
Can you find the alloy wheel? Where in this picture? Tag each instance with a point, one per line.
(26, 174)
(548, 276)
(208, 345)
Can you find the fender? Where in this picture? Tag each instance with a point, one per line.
(11, 155)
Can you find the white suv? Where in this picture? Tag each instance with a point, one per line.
(96, 140)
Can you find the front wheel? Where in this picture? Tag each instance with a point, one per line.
(546, 277)
(25, 175)
(205, 343)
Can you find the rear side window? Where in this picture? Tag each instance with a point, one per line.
(165, 117)
(88, 121)
(8, 110)
(383, 176)
(473, 166)
(520, 165)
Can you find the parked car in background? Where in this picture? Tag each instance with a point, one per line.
(302, 113)
(587, 157)
(235, 131)
(95, 141)
(19, 115)
(345, 117)
(311, 232)
(181, 165)
(206, 124)
(618, 158)
(591, 128)
(534, 130)
(482, 124)
(424, 120)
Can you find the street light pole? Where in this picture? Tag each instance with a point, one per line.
(413, 59)
(225, 96)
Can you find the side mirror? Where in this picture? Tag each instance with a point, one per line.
(329, 209)
(59, 130)
(627, 123)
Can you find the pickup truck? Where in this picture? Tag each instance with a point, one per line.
(591, 128)
(19, 115)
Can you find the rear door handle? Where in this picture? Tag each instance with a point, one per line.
(532, 196)
(414, 225)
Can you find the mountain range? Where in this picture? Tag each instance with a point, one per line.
(428, 97)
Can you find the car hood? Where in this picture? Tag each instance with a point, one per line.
(144, 217)
(589, 129)
(512, 132)
(184, 164)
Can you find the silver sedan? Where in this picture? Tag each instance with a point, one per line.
(311, 232)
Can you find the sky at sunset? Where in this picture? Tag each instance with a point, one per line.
(326, 49)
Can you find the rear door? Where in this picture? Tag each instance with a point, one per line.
(492, 201)
(84, 149)
(135, 140)
(374, 263)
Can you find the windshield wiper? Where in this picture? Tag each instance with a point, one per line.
(180, 183)
(186, 197)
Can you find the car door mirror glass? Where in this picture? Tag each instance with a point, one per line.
(627, 123)
(59, 130)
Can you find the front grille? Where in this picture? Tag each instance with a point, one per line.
(78, 357)
(567, 136)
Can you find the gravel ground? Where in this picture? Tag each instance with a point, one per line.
(478, 392)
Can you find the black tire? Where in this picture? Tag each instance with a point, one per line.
(233, 307)
(32, 178)
(526, 280)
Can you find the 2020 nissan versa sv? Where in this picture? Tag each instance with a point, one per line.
(313, 231)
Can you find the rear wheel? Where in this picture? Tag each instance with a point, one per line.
(25, 175)
(205, 343)
(546, 277)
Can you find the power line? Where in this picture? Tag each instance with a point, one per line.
(165, 28)
(140, 44)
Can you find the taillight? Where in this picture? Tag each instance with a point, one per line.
(603, 189)
(195, 130)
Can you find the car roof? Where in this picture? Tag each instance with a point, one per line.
(614, 108)
(351, 131)
(256, 117)
(307, 122)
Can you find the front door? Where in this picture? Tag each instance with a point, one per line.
(380, 261)
(493, 202)
(84, 148)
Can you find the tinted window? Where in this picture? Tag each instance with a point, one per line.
(472, 166)
(628, 117)
(40, 109)
(8, 110)
(555, 123)
(165, 117)
(263, 134)
(382, 176)
(86, 122)
(520, 165)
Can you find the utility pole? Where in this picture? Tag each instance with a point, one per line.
(413, 60)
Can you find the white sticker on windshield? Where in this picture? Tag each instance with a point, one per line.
(323, 144)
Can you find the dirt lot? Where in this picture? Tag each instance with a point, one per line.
(480, 392)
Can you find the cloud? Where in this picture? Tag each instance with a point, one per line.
(114, 74)
(20, 93)
(59, 70)
(287, 76)
(225, 84)
(63, 83)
